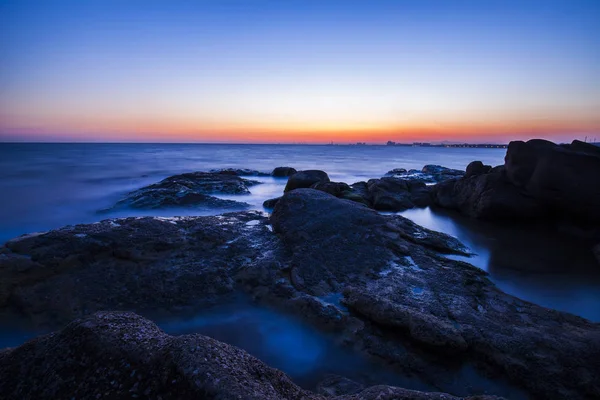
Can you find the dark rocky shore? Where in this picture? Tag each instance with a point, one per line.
(383, 285)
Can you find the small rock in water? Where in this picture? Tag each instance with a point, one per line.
(283, 172)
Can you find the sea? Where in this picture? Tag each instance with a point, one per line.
(47, 186)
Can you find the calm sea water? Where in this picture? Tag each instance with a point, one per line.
(46, 186)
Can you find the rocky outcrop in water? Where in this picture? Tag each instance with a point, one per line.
(406, 297)
(305, 179)
(189, 190)
(238, 172)
(428, 174)
(380, 282)
(539, 179)
(131, 263)
(283, 172)
(120, 355)
(393, 194)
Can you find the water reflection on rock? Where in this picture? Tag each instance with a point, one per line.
(534, 263)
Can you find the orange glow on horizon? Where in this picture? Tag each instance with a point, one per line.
(86, 129)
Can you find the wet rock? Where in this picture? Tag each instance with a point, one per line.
(539, 180)
(396, 171)
(486, 196)
(477, 168)
(561, 177)
(186, 190)
(379, 282)
(283, 172)
(335, 385)
(120, 355)
(393, 194)
(305, 179)
(409, 300)
(428, 174)
(238, 172)
(141, 263)
(334, 188)
(270, 203)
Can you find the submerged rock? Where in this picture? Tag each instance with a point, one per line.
(120, 355)
(191, 189)
(283, 172)
(305, 179)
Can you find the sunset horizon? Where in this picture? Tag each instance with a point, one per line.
(299, 71)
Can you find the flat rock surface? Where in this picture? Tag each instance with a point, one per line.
(129, 263)
(191, 189)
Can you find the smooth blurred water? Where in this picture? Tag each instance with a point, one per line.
(46, 186)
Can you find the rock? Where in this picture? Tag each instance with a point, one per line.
(238, 172)
(393, 194)
(335, 385)
(270, 203)
(429, 174)
(396, 171)
(305, 179)
(405, 299)
(334, 188)
(143, 263)
(120, 355)
(191, 189)
(486, 196)
(283, 172)
(378, 282)
(563, 179)
(539, 180)
(477, 168)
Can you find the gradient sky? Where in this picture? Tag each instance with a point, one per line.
(299, 71)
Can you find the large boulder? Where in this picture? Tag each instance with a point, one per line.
(187, 190)
(539, 179)
(564, 178)
(305, 179)
(486, 196)
(120, 355)
(283, 172)
(400, 288)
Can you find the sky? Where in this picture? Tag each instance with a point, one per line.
(292, 71)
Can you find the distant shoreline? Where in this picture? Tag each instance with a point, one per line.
(359, 144)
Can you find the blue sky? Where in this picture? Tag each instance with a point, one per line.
(298, 70)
